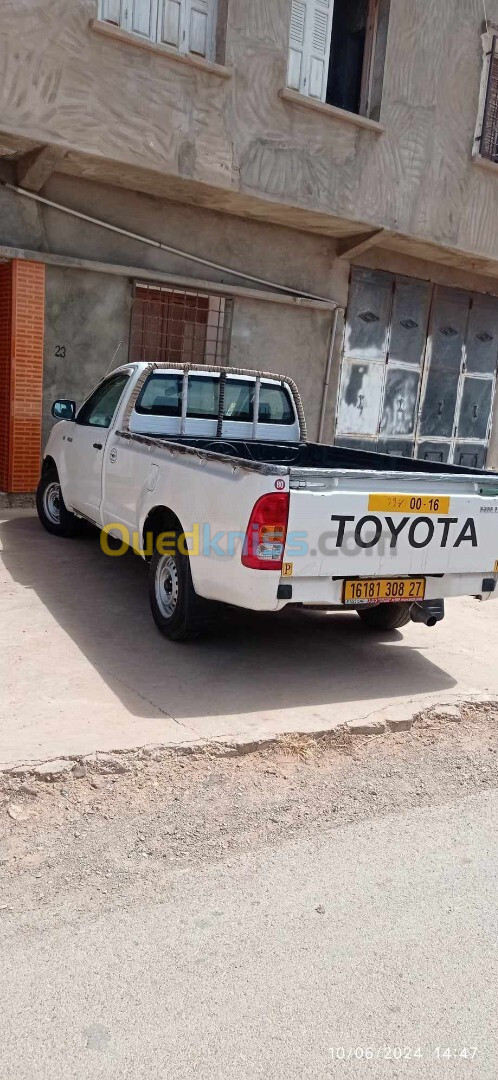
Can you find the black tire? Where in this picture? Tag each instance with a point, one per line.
(52, 510)
(173, 600)
(386, 616)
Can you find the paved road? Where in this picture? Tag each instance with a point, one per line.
(271, 957)
(82, 667)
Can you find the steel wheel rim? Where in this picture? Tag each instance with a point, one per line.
(52, 502)
(166, 586)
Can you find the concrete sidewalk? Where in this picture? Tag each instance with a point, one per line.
(82, 667)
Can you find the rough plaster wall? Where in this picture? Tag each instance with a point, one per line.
(81, 89)
(419, 176)
(21, 221)
(287, 341)
(298, 260)
(86, 316)
(114, 101)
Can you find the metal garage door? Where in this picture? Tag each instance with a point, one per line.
(418, 369)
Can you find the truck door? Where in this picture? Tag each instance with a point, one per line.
(85, 454)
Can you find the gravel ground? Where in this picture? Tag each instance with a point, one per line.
(117, 827)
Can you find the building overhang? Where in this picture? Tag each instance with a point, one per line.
(32, 164)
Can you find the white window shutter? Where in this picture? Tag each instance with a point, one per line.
(320, 34)
(110, 11)
(297, 58)
(141, 18)
(199, 26)
(309, 47)
(171, 20)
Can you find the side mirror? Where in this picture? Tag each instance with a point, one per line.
(64, 409)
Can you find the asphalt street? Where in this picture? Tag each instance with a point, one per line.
(366, 948)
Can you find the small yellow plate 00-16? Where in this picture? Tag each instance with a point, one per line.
(409, 504)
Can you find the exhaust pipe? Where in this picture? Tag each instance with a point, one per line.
(429, 612)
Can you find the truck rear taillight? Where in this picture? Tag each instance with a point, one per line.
(266, 534)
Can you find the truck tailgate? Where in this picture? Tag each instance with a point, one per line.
(347, 525)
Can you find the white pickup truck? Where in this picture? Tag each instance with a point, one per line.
(207, 473)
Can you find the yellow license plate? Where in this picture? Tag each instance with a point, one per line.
(385, 590)
(409, 504)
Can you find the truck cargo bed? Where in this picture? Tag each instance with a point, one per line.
(307, 455)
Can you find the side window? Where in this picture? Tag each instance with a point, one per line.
(99, 410)
(337, 52)
(161, 396)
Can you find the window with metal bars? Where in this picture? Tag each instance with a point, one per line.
(173, 326)
(489, 133)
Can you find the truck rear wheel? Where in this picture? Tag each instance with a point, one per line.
(385, 616)
(52, 510)
(172, 597)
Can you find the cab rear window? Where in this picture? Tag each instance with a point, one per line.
(162, 396)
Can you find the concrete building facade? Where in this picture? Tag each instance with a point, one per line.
(250, 168)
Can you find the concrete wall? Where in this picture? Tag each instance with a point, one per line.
(88, 312)
(288, 341)
(145, 113)
(305, 262)
(86, 318)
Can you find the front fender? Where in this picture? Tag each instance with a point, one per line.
(56, 450)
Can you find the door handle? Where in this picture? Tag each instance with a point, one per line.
(97, 446)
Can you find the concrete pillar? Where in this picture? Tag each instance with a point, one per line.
(22, 310)
(492, 458)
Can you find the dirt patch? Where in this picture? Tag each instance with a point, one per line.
(84, 782)
(120, 825)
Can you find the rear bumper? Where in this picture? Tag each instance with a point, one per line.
(325, 592)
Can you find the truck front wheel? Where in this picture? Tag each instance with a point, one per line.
(52, 510)
(172, 596)
(385, 616)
